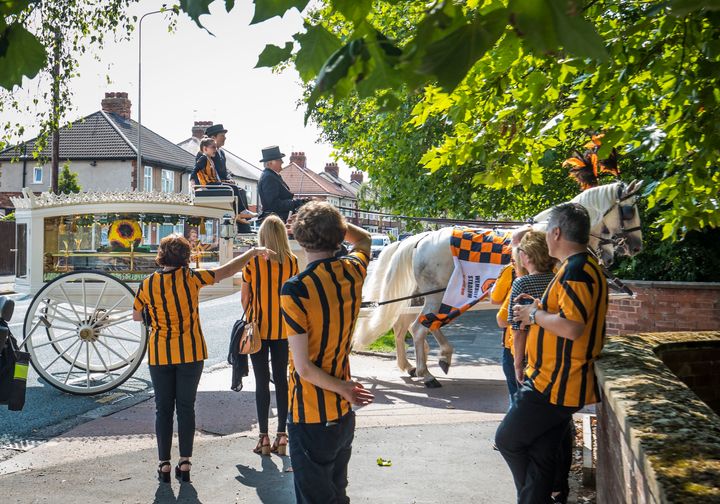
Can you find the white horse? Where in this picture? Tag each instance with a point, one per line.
(424, 263)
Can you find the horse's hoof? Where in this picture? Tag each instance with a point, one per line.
(444, 366)
(432, 384)
(412, 372)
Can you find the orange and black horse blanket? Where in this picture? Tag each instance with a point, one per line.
(478, 255)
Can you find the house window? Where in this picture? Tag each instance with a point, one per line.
(147, 179)
(37, 175)
(168, 181)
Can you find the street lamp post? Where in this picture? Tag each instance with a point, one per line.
(139, 144)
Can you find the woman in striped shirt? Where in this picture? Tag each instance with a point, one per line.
(534, 259)
(168, 302)
(260, 294)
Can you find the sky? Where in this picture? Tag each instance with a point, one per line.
(190, 75)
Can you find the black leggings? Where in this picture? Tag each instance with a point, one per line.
(175, 385)
(278, 350)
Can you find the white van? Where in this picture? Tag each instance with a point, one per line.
(379, 242)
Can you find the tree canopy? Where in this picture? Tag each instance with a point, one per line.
(501, 89)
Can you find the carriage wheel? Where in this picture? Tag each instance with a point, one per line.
(80, 333)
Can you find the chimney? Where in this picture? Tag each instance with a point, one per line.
(198, 129)
(298, 158)
(356, 176)
(117, 103)
(333, 169)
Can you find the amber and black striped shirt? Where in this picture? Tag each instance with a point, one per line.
(171, 299)
(500, 294)
(323, 302)
(558, 367)
(265, 278)
(204, 172)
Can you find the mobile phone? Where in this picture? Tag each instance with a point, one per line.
(526, 301)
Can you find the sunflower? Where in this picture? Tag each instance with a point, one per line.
(125, 233)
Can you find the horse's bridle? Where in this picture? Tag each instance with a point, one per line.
(625, 213)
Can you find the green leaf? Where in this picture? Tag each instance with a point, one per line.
(229, 5)
(384, 462)
(25, 55)
(195, 9)
(546, 25)
(451, 57)
(576, 34)
(273, 55)
(354, 10)
(12, 7)
(682, 8)
(334, 69)
(266, 9)
(316, 46)
(381, 68)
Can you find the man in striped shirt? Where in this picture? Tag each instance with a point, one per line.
(566, 334)
(320, 307)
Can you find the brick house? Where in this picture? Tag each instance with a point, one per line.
(305, 183)
(102, 149)
(244, 173)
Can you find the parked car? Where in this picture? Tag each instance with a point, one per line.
(379, 242)
(402, 236)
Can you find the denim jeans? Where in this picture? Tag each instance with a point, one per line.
(319, 454)
(529, 439)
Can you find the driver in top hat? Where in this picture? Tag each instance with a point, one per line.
(275, 196)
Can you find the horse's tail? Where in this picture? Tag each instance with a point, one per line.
(392, 278)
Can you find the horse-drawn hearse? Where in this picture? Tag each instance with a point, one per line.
(82, 256)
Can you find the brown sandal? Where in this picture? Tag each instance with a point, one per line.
(280, 444)
(263, 446)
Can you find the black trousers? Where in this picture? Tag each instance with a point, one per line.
(529, 439)
(320, 454)
(278, 350)
(175, 386)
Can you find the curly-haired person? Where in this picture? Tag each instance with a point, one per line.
(320, 307)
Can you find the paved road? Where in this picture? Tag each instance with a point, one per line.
(49, 411)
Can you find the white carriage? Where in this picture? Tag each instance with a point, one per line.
(82, 256)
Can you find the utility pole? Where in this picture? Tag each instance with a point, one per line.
(55, 162)
(138, 163)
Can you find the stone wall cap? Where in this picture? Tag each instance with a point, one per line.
(672, 285)
(670, 429)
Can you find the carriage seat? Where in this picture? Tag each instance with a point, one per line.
(215, 196)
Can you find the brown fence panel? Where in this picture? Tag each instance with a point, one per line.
(7, 246)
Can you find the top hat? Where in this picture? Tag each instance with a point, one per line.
(271, 153)
(215, 129)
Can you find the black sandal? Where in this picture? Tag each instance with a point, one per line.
(163, 476)
(183, 475)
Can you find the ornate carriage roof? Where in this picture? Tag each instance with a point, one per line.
(47, 199)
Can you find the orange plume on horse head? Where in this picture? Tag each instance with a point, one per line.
(585, 168)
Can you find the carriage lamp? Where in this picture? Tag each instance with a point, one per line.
(227, 228)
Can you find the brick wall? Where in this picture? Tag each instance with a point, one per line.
(698, 367)
(620, 477)
(666, 306)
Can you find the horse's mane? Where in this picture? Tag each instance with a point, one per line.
(596, 200)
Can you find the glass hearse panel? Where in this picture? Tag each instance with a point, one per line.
(124, 245)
